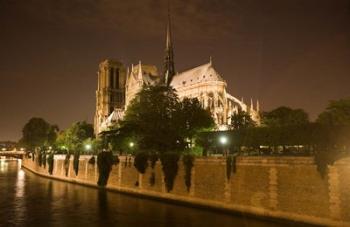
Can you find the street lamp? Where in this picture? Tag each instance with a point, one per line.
(88, 147)
(131, 144)
(223, 140)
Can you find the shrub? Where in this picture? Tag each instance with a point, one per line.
(50, 161)
(40, 159)
(153, 157)
(323, 159)
(170, 167)
(141, 161)
(76, 162)
(188, 164)
(92, 160)
(115, 160)
(43, 159)
(104, 164)
(230, 165)
(66, 163)
(152, 179)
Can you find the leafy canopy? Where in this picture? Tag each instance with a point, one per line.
(159, 121)
(285, 116)
(336, 114)
(241, 120)
(37, 132)
(75, 136)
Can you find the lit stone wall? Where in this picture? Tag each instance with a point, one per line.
(281, 187)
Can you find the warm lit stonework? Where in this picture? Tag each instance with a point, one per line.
(202, 82)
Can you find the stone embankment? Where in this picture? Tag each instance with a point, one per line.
(285, 188)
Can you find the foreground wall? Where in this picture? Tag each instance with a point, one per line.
(280, 187)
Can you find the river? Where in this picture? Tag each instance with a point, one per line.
(30, 200)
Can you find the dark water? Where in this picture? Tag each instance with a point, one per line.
(30, 200)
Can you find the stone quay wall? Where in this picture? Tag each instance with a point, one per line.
(286, 188)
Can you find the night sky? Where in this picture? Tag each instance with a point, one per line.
(282, 52)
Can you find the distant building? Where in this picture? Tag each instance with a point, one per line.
(117, 86)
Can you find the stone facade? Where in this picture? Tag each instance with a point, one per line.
(110, 93)
(202, 82)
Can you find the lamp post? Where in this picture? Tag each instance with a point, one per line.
(224, 141)
(88, 147)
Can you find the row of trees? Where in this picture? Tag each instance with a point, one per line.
(157, 120)
(285, 126)
(337, 113)
(39, 134)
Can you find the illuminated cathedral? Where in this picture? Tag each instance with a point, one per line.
(118, 85)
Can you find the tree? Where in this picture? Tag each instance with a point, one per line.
(336, 114)
(73, 138)
(150, 117)
(159, 121)
(241, 120)
(37, 132)
(285, 116)
(192, 118)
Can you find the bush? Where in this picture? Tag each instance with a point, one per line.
(66, 163)
(104, 164)
(153, 157)
(170, 167)
(323, 159)
(43, 159)
(115, 160)
(76, 162)
(92, 160)
(230, 165)
(152, 179)
(141, 161)
(40, 159)
(50, 161)
(188, 164)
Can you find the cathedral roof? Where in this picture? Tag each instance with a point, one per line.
(198, 74)
(149, 73)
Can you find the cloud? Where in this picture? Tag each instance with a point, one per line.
(207, 18)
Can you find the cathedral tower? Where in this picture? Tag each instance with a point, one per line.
(169, 66)
(110, 94)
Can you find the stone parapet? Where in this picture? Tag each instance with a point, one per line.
(284, 188)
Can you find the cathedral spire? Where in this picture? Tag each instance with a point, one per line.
(251, 104)
(169, 66)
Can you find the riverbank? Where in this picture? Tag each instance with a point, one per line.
(278, 188)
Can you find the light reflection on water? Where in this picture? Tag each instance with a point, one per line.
(35, 201)
(3, 165)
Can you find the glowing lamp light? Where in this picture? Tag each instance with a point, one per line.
(131, 144)
(223, 140)
(22, 148)
(88, 147)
